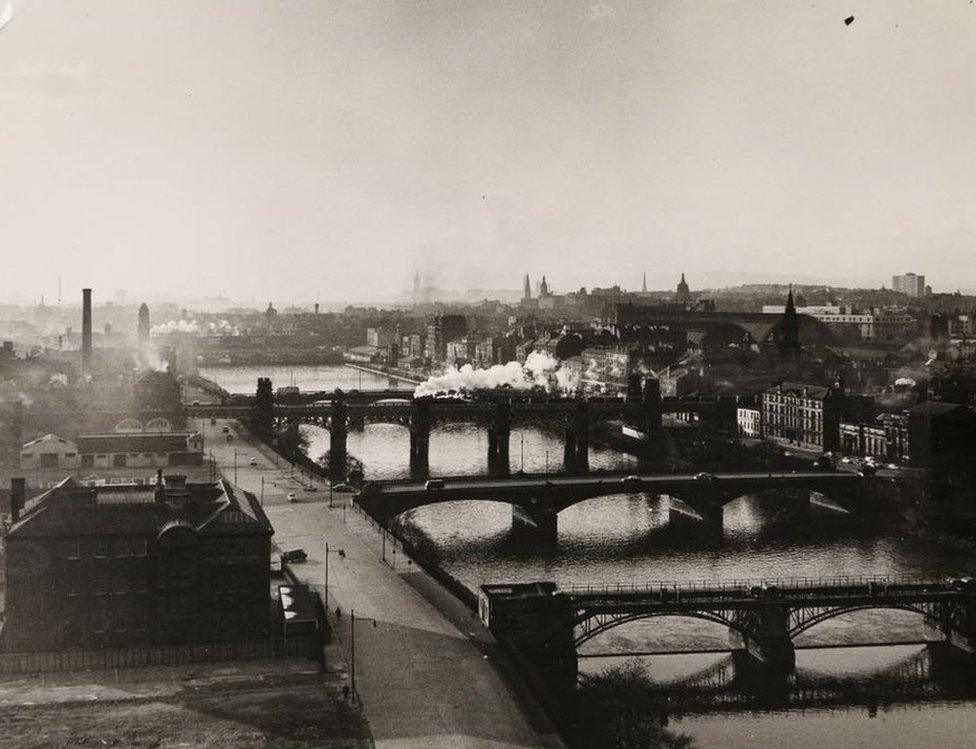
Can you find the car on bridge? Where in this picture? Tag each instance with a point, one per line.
(434, 484)
(704, 476)
(630, 480)
(343, 488)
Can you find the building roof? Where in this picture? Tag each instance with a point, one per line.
(70, 509)
(800, 390)
(47, 438)
(935, 408)
(118, 442)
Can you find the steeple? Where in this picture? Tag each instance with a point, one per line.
(683, 295)
(543, 288)
(526, 289)
(789, 342)
(644, 283)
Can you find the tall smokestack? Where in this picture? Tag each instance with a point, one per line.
(86, 331)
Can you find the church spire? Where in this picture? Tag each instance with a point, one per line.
(789, 343)
(644, 283)
(526, 289)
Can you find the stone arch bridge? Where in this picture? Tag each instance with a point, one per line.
(537, 500)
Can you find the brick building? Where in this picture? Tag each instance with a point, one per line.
(173, 563)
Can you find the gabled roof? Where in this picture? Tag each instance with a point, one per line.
(49, 438)
(70, 509)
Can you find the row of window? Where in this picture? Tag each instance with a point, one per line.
(105, 547)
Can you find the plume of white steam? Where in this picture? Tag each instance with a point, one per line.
(540, 370)
(59, 379)
(175, 326)
(221, 327)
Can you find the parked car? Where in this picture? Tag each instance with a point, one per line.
(253, 461)
(226, 430)
(294, 555)
(292, 497)
(434, 484)
(344, 488)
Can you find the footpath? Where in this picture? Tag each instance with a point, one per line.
(427, 672)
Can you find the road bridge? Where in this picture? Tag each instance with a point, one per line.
(497, 411)
(537, 500)
(545, 624)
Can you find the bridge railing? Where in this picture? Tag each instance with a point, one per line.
(744, 585)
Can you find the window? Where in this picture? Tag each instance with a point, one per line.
(73, 548)
(102, 546)
(73, 586)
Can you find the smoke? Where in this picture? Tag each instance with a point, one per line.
(540, 370)
(59, 379)
(174, 326)
(148, 358)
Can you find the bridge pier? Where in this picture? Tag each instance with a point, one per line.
(537, 518)
(338, 434)
(499, 437)
(262, 413)
(534, 623)
(420, 427)
(764, 637)
(576, 448)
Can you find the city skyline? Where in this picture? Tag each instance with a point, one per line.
(338, 146)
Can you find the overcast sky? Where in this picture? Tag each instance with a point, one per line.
(277, 150)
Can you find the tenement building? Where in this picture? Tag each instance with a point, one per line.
(174, 563)
(807, 416)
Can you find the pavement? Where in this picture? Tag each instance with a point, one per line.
(427, 672)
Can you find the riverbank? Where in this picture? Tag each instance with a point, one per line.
(427, 672)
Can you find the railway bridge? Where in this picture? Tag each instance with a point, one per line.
(498, 412)
(544, 624)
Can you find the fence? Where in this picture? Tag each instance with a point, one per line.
(165, 655)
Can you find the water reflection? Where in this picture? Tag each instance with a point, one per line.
(868, 697)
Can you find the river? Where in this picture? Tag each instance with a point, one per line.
(629, 537)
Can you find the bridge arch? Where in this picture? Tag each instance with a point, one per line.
(588, 625)
(802, 619)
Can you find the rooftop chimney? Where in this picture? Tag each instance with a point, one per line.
(18, 495)
(86, 331)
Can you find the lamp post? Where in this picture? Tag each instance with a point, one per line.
(341, 554)
(235, 466)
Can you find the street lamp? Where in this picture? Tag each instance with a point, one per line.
(341, 553)
(235, 466)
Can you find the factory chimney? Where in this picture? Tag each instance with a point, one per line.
(86, 331)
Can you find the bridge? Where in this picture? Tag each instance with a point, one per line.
(498, 411)
(543, 625)
(537, 500)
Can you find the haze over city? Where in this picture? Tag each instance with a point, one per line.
(325, 150)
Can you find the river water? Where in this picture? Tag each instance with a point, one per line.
(630, 538)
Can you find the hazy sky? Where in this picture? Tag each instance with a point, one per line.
(288, 149)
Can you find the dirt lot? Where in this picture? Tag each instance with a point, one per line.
(247, 705)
